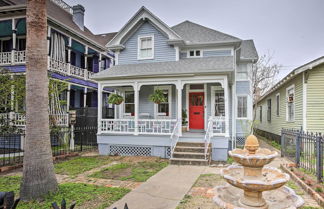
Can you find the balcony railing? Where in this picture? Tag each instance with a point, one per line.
(218, 125)
(19, 57)
(145, 126)
(19, 119)
(5, 58)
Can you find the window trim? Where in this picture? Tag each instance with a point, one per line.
(169, 89)
(212, 96)
(247, 74)
(247, 106)
(278, 104)
(291, 87)
(140, 37)
(195, 51)
(123, 106)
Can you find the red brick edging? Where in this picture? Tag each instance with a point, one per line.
(13, 167)
(319, 199)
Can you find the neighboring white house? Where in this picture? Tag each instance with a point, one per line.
(202, 71)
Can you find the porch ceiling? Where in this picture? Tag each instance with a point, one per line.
(184, 66)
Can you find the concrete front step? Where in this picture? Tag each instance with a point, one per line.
(185, 161)
(191, 144)
(190, 155)
(189, 149)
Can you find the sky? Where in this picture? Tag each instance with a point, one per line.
(290, 31)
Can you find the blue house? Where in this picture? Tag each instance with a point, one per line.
(203, 73)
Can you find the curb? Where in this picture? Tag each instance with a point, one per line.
(319, 199)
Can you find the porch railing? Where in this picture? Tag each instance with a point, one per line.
(5, 58)
(19, 119)
(77, 71)
(156, 126)
(20, 57)
(175, 137)
(58, 66)
(117, 126)
(218, 125)
(145, 126)
(208, 135)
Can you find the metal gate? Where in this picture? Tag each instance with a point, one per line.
(85, 129)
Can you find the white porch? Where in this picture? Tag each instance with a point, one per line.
(146, 119)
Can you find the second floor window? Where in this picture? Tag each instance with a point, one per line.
(194, 53)
(242, 72)
(146, 47)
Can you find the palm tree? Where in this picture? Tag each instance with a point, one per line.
(38, 171)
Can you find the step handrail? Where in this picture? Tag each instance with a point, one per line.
(175, 137)
(208, 136)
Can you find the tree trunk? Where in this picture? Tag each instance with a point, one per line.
(38, 171)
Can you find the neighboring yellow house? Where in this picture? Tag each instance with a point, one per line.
(297, 101)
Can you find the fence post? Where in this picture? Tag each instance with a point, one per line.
(282, 142)
(72, 138)
(298, 140)
(319, 158)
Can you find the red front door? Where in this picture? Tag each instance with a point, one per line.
(196, 110)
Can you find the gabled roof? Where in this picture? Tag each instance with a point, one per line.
(194, 33)
(184, 66)
(104, 38)
(142, 15)
(308, 66)
(248, 51)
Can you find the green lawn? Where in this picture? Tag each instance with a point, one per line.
(139, 172)
(85, 195)
(78, 165)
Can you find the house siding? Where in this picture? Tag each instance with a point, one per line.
(278, 122)
(315, 100)
(162, 51)
(213, 53)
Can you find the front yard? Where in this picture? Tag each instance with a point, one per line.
(91, 181)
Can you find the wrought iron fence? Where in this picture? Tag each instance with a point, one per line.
(305, 149)
(63, 141)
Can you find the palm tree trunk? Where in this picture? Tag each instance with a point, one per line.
(38, 171)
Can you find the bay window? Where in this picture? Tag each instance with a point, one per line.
(242, 106)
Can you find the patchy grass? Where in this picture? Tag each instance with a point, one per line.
(85, 195)
(137, 171)
(230, 160)
(208, 180)
(79, 165)
(296, 188)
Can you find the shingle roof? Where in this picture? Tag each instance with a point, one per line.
(105, 37)
(195, 33)
(190, 65)
(248, 50)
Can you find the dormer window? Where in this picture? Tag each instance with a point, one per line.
(145, 47)
(194, 53)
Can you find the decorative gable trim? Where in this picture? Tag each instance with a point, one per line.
(141, 16)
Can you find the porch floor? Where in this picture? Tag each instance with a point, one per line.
(193, 134)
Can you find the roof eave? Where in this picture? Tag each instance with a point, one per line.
(116, 47)
(12, 8)
(221, 43)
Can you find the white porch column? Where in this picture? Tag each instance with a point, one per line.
(68, 97)
(226, 107)
(136, 98)
(179, 112)
(69, 56)
(100, 62)
(48, 46)
(85, 96)
(14, 31)
(99, 107)
(86, 63)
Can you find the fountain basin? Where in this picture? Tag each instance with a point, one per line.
(259, 159)
(228, 197)
(270, 178)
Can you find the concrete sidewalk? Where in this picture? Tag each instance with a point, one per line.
(164, 190)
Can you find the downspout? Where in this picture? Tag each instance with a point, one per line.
(234, 103)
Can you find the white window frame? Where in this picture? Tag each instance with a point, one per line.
(278, 104)
(212, 96)
(240, 71)
(292, 87)
(124, 114)
(247, 106)
(163, 88)
(195, 52)
(140, 37)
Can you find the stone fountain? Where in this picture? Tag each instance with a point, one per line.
(253, 186)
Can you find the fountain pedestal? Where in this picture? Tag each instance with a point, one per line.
(254, 179)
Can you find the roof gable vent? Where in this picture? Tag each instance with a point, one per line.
(78, 15)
